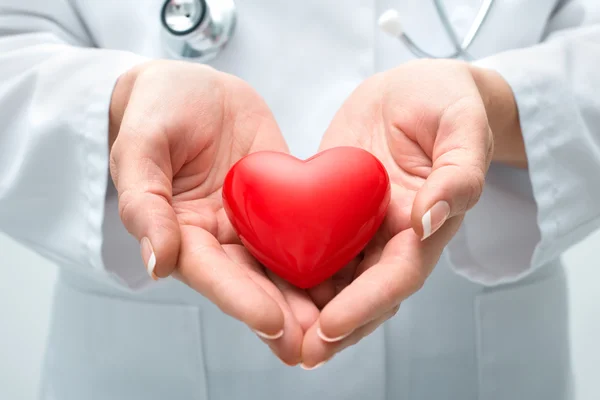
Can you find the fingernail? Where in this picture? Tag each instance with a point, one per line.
(269, 337)
(149, 257)
(435, 218)
(331, 340)
(306, 367)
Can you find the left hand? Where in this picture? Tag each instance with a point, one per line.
(430, 123)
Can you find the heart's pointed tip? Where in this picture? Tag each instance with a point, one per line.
(305, 285)
(302, 282)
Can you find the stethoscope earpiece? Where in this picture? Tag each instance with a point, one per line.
(390, 23)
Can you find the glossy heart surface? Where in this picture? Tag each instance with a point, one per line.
(306, 219)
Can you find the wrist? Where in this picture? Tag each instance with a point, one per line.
(503, 116)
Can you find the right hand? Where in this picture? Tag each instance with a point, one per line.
(176, 130)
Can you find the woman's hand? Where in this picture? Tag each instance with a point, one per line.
(434, 125)
(176, 129)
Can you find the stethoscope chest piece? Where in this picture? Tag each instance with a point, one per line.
(197, 30)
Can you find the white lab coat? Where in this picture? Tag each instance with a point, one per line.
(490, 323)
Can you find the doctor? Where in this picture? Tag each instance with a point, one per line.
(107, 146)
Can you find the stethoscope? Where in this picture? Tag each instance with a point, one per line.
(199, 29)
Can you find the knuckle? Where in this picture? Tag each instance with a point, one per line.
(388, 291)
(113, 167)
(466, 187)
(466, 105)
(127, 207)
(132, 202)
(167, 225)
(408, 282)
(475, 182)
(393, 311)
(491, 146)
(468, 108)
(137, 133)
(415, 278)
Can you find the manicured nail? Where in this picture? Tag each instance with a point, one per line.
(435, 218)
(331, 340)
(269, 337)
(304, 366)
(149, 257)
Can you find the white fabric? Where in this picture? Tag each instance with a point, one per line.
(555, 87)
(455, 339)
(54, 101)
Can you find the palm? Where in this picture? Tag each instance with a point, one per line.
(432, 135)
(407, 174)
(407, 164)
(208, 240)
(183, 128)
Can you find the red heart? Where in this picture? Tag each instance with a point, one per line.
(305, 220)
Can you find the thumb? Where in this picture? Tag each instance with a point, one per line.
(461, 156)
(141, 170)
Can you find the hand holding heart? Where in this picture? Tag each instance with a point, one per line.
(177, 129)
(425, 122)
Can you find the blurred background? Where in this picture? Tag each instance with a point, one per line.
(26, 282)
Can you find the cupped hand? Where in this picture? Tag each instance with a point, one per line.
(427, 121)
(176, 129)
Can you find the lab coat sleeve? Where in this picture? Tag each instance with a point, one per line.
(55, 91)
(526, 219)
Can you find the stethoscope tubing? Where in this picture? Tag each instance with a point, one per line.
(461, 49)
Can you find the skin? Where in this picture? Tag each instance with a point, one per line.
(175, 131)
(177, 128)
(434, 125)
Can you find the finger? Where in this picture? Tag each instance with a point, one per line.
(288, 347)
(372, 256)
(322, 293)
(325, 291)
(141, 170)
(225, 232)
(345, 276)
(302, 307)
(316, 352)
(461, 157)
(205, 267)
(357, 117)
(405, 263)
